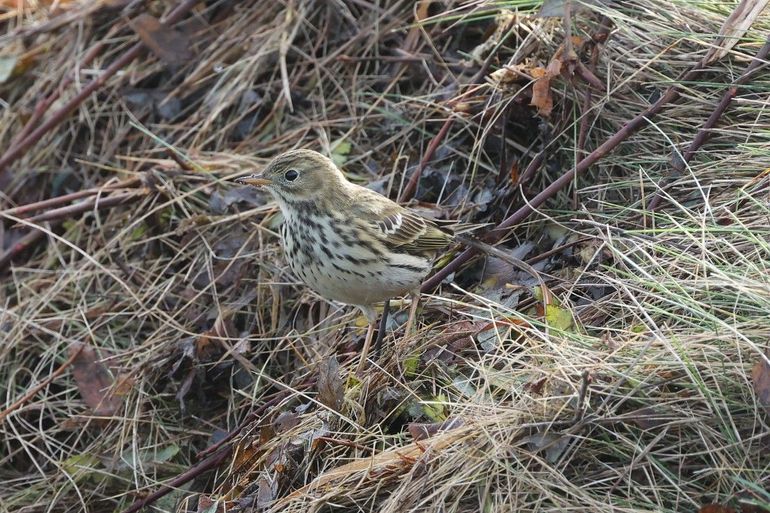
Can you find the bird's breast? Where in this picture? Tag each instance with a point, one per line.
(343, 261)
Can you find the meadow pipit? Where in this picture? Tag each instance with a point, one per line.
(346, 242)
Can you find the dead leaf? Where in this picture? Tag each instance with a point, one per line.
(515, 173)
(94, 381)
(536, 387)
(553, 444)
(650, 417)
(509, 78)
(559, 63)
(423, 431)
(554, 67)
(716, 508)
(15, 59)
(331, 390)
(207, 505)
(167, 43)
(285, 421)
(420, 14)
(125, 383)
(541, 92)
(246, 456)
(250, 196)
(462, 108)
(446, 347)
(760, 375)
(266, 491)
(735, 27)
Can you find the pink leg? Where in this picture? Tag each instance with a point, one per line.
(410, 322)
(365, 351)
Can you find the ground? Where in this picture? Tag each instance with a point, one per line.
(612, 354)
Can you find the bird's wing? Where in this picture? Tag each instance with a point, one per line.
(401, 229)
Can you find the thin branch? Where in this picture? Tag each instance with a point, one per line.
(90, 204)
(703, 134)
(411, 185)
(20, 247)
(66, 198)
(58, 215)
(47, 381)
(57, 117)
(209, 463)
(641, 120)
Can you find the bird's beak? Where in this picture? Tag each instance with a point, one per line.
(255, 180)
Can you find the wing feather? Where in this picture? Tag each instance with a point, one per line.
(398, 228)
(407, 231)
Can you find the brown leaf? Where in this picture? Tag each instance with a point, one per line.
(285, 421)
(536, 387)
(246, 455)
(716, 508)
(331, 391)
(207, 505)
(168, 44)
(760, 375)
(541, 92)
(462, 108)
(554, 67)
(420, 14)
(553, 444)
(452, 341)
(423, 431)
(94, 381)
(125, 383)
(515, 173)
(266, 492)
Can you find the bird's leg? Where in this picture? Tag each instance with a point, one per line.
(365, 350)
(371, 316)
(412, 311)
(381, 329)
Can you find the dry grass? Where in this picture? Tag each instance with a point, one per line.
(642, 402)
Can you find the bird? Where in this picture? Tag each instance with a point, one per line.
(346, 242)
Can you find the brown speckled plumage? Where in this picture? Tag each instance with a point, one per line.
(346, 242)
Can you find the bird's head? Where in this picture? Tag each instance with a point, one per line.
(298, 175)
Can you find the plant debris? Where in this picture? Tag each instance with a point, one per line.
(609, 351)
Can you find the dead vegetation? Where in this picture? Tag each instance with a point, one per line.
(156, 350)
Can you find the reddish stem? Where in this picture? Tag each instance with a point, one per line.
(704, 132)
(209, 463)
(411, 185)
(66, 198)
(16, 151)
(641, 120)
(43, 105)
(20, 246)
(90, 204)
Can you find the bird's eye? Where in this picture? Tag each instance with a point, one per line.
(291, 175)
